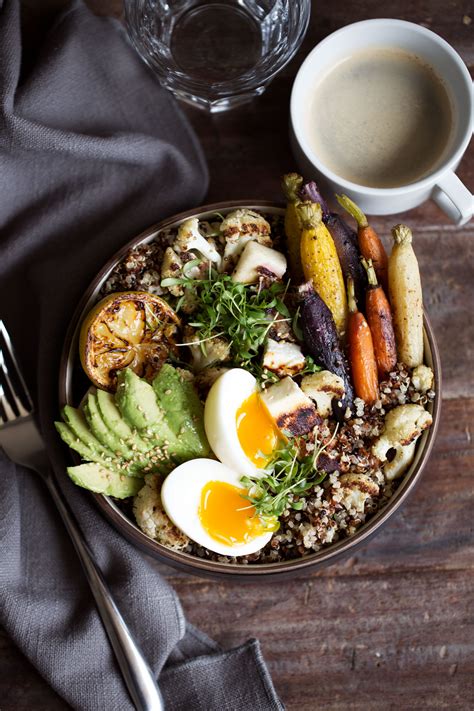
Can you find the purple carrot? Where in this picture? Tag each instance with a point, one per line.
(345, 240)
(310, 191)
(348, 253)
(322, 342)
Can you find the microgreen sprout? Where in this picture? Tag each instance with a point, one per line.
(238, 311)
(287, 478)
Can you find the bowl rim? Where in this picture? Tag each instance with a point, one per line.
(203, 566)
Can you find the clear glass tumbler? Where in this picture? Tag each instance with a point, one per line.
(216, 54)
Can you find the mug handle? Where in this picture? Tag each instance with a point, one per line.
(452, 196)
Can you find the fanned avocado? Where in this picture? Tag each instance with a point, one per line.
(184, 411)
(113, 419)
(143, 429)
(88, 453)
(136, 401)
(137, 462)
(107, 437)
(96, 477)
(140, 407)
(78, 424)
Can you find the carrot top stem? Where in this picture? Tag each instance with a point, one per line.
(402, 234)
(351, 299)
(310, 214)
(291, 184)
(353, 209)
(371, 275)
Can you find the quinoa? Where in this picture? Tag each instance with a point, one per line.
(140, 269)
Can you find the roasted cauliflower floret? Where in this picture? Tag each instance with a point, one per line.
(257, 260)
(240, 227)
(322, 387)
(403, 426)
(422, 378)
(171, 267)
(152, 518)
(215, 350)
(404, 456)
(355, 490)
(190, 239)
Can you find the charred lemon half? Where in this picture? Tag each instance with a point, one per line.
(128, 329)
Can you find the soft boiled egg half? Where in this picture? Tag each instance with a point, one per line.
(238, 426)
(206, 500)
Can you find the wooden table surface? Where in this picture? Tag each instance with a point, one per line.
(392, 626)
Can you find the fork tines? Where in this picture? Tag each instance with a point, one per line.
(14, 398)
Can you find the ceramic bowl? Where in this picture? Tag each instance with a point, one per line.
(73, 383)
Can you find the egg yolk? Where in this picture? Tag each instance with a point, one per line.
(257, 433)
(226, 515)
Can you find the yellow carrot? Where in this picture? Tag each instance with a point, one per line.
(321, 264)
(291, 183)
(406, 297)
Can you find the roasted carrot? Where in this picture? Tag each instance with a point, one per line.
(321, 264)
(361, 351)
(370, 243)
(406, 297)
(379, 318)
(291, 184)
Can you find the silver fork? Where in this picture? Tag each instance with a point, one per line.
(22, 442)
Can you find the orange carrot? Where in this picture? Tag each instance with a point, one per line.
(370, 243)
(361, 351)
(379, 318)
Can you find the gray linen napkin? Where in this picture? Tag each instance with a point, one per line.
(92, 151)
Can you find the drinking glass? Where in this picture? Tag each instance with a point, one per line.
(216, 54)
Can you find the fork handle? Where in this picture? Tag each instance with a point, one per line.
(138, 676)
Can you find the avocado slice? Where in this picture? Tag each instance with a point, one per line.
(99, 429)
(115, 422)
(96, 477)
(185, 413)
(137, 461)
(78, 424)
(88, 453)
(139, 405)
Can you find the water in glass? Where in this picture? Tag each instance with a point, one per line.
(216, 54)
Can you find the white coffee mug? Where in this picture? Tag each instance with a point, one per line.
(442, 185)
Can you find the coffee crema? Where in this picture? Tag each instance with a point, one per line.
(381, 118)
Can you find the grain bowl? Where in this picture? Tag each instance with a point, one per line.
(342, 511)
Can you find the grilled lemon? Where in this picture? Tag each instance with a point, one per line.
(127, 329)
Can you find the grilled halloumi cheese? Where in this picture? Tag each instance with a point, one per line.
(292, 410)
(283, 357)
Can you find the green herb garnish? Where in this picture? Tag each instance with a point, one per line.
(287, 478)
(240, 312)
(310, 367)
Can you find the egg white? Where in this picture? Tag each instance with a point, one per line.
(220, 412)
(181, 498)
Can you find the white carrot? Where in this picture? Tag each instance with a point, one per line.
(406, 297)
